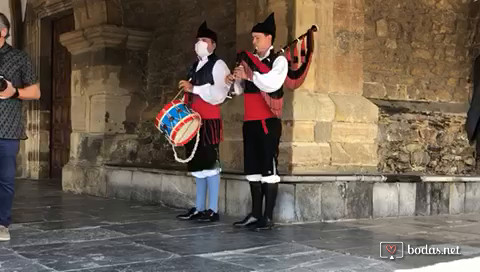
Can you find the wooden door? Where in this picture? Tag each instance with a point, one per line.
(61, 126)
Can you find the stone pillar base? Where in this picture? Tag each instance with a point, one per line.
(84, 178)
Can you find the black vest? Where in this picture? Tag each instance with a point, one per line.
(204, 75)
(252, 88)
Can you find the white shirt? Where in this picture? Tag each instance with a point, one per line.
(268, 82)
(214, 94)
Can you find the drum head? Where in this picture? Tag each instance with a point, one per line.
(187, 131)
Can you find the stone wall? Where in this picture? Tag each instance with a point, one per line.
(425, 142)
(421, 52)
(418, 50)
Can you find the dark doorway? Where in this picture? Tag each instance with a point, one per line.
(61, 126)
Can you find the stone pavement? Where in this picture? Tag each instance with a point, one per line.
(57, 231)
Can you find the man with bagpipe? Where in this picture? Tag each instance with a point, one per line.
(260, 77)
(204, 92)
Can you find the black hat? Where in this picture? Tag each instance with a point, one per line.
(267, 27)
(205, 32)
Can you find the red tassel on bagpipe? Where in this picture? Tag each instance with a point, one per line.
(296, 75)
(295, 56)
(303, 52)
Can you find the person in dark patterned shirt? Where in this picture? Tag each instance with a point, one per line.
(20, 84)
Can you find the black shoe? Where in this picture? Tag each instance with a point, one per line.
(191, 215)
(247, 221)
(263, 224)
(209, 216)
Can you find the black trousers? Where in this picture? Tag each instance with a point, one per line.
(260, 146)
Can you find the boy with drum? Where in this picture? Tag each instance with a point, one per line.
(204, 92)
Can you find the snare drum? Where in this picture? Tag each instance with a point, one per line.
(178, 122)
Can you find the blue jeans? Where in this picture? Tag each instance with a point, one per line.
(8, 156)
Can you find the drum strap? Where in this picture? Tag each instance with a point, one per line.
(191, 155)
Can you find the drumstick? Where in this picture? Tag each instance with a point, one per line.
(179, 92)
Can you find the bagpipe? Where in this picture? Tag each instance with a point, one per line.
(297, 66)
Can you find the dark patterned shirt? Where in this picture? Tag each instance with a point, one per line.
(16, 67)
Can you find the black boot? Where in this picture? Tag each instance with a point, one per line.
(257, 199)
(270, 190)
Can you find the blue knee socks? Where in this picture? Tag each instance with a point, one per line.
(201, 193)
(213, 187)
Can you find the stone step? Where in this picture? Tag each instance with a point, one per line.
(304, 198)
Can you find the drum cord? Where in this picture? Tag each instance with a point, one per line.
(191, 155)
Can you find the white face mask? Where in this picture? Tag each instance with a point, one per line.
(201, 49)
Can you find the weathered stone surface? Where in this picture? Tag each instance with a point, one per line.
(348, 76)
(420, 42)
(323, 132)
(382, 28)
(239, 200)
(355, 109)
(385, 200)
(298, 131)
(374, 90)
(79, 108)
(119, 183)
(457, 198)
(354, 154)
(308, 202)
(306, 106)
(407, 197)
(359, 200)
(232, 113)
(231, 155)
(222, 196)
(472, 197)
(354, 132)
(84, 178)
(304, 154)
(333, 196)
(427, 142)
(149, 187)
(285, 207)
(232, 130)
(177, 191)
(422, 201)
(439, 201)
(103, 36)
(123, 149)
(97, 80)
(108, 114)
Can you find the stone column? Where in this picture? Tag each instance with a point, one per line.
(106, 92)
(328, 125)
(332, 126)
